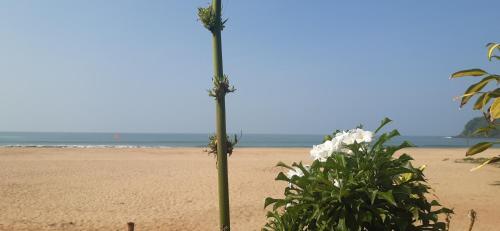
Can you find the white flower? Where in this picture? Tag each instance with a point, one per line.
(343, 137)
(361, 136)
(336, 183)
(357, 135)
(322, 151)
(296, 172)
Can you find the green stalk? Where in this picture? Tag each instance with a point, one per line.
(220, 109)
(211, 19)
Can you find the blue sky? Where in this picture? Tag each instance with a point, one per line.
(306, 67)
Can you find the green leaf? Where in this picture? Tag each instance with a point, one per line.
(382, 213)
(495, 110)
(327, 137)
(387, 196)
(491, 49)
(342, 161)
(393, 134)
(404, 177)
(495, 93)
(302, 168)
(281, 176)
(414, 211)
(366, 217)
(435, 203)
(477, 148)
(470, 72)
(484, 130)
(373, 196)
(281, 164)
(392, 149)
(383, 123)
(482, 100)
(384, 138)
(475, 88)
(269, 201)
(405, 157)
(406, 144)
(279, 203)
(342, 225)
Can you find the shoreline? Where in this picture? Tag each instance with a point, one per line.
(102, 147)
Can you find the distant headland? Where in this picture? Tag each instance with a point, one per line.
(476, 123)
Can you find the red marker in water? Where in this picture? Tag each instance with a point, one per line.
(116, 137)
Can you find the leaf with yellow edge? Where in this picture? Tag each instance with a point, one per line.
(495, 93)
(490, 161)
(484, 130)
(477, 148)
(469, 72)
(475, 88)
(403, 178)
(491, 49)
(495, 109)
(481, 101)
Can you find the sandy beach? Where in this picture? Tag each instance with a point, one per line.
(175, 188)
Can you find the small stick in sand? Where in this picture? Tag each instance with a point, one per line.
(130, 226)
(472, 216)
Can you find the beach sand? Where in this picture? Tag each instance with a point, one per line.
(176, 188)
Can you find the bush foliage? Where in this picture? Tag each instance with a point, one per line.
(363, 186)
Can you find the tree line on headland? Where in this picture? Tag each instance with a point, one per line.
(475, 124)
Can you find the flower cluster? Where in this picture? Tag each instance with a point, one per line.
(337, 143)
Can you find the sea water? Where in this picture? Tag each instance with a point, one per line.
(131, 140)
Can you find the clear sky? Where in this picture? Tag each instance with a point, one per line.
(306, 67)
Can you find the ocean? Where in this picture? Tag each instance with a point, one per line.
(131, 140)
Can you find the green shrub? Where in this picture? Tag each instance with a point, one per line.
(359, 185)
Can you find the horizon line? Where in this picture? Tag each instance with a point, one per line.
(190, 133)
